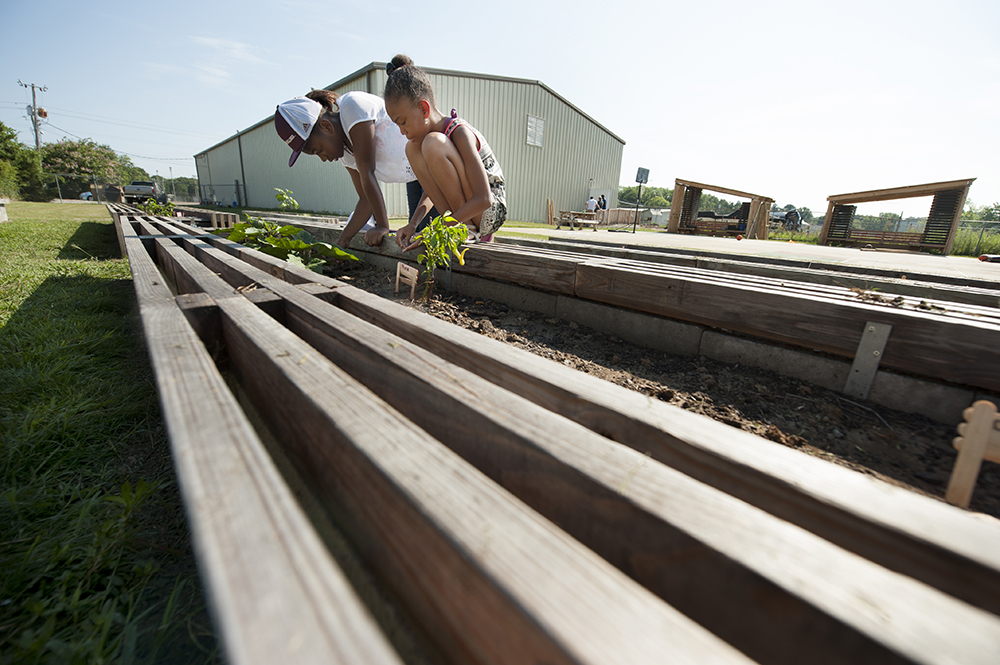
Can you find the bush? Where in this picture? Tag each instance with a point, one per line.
(8, 180)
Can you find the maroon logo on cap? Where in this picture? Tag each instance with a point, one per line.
(305, 126)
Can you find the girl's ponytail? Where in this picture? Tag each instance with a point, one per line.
(327, 98)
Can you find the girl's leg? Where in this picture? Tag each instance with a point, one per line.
(447, 168)
(415, 156)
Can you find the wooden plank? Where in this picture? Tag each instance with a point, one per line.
(676, 204)
(914, 535)
(977, 435)
(722, 190)
(924, 344)
(497, 262)
(489, 579)
(911, 191)
(803, 272)
(276, 594)
(504, 434)
(902, 305)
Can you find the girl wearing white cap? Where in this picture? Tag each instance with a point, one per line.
(354, 129)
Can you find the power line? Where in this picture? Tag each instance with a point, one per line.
(159, 159)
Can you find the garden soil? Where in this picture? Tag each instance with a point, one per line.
(904, 449)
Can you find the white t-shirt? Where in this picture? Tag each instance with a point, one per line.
(391, 164)
(591, 204)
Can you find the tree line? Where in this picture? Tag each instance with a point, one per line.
(30, 175)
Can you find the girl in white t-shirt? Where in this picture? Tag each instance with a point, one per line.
(354, 129)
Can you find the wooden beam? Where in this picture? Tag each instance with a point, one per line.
(252, 540)
(723, 190)
(488, 579)
(616, 502)
(538, 268)
(676, 204)
(922, 343)
(914, 535)
(912, 191)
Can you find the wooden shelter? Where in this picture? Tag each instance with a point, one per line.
(938, 233)
(684, 212)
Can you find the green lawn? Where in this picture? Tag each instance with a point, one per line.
(95, 561)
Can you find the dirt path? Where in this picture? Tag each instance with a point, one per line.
(904, 449)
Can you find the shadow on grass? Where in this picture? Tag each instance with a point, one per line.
(92, 240)
(82, 578)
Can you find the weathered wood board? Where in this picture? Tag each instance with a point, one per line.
(420, 435)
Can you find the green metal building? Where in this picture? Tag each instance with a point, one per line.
(548, 149)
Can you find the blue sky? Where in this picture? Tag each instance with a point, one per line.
(792, 100)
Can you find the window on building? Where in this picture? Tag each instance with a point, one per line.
(536, 131)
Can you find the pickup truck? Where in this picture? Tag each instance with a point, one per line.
(138, 191)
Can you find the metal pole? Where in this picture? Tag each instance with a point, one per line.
(982, 228)
(58, 189)
(97, 190)
(34, 112)
(637, 199)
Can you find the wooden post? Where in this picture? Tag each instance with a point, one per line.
(676, 204)
(753, 223)
(826, 223)
(955, 221)
(978, 439)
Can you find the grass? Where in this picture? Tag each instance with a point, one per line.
(95, 561)
(974, 242)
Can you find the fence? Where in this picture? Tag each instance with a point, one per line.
(228, 194)
(974, 238)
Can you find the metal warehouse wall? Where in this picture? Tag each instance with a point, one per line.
(576, 154)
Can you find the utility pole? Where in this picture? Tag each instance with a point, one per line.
(34, 111)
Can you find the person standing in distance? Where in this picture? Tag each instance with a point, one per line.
(352, 128)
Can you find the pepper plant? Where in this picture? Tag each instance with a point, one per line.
(287, 242)
(441, 240)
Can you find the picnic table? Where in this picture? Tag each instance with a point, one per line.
(581, 219)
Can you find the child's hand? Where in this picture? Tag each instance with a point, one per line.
(404, 236)
(373, 237)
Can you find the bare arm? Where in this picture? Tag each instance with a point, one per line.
(362, 211)
(363, 143)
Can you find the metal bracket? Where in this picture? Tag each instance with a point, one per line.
(867, 359)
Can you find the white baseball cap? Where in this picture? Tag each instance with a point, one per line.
(294, 121)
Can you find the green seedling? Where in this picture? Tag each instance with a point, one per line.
(441, 241)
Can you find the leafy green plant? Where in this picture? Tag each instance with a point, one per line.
(286, 241)
(440, 242)
(285, 199)
(151, 207)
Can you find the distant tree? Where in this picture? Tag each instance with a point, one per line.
(628, 194)
(186, 189)
(657, 202)
(8, 180)
(990, 213)
(86, 160)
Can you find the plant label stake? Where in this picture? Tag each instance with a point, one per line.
(408, 275)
